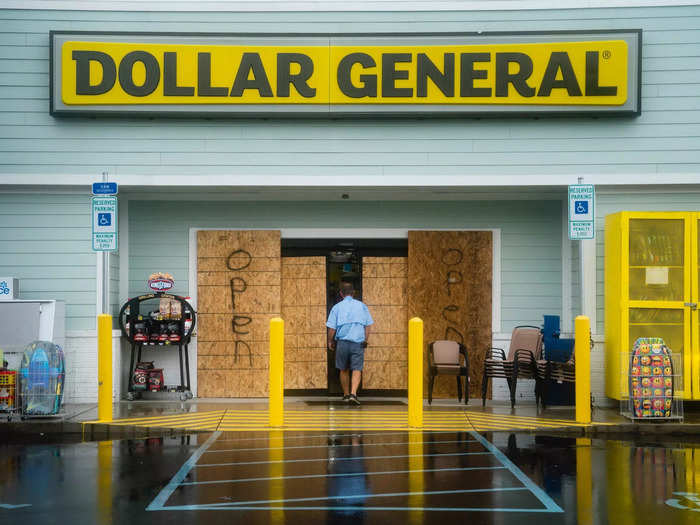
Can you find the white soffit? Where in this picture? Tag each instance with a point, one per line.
(328, 5)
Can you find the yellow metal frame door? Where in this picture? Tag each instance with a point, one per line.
(695, 298)
(690, 255)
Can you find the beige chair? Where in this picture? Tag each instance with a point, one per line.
(444, 359)
(521, 362)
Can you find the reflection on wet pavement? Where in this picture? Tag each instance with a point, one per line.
(358, 477)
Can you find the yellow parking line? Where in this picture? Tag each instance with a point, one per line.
(326, 419)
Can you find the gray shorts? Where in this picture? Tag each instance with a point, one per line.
(349, 355)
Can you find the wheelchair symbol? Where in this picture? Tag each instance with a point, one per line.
(581, 207)
(687, 501)
(104, 219)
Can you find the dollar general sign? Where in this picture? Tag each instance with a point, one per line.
(528, 73)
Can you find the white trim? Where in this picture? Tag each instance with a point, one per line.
(328, 5)
(99, 288)
(359, 233)
(243, 179)
(587, 254)
(123, 249)
(566, 269)
(78, 334)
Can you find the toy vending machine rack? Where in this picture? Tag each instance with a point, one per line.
(652, 384)
(8, 380)
(8, 392)
(170, 324)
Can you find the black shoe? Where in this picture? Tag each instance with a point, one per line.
(346, 398)
(354, 400)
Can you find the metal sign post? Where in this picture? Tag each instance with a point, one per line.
(104, 231)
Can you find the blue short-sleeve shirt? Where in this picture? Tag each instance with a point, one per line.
(348, 318)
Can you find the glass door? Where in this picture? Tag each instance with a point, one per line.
(659, 287)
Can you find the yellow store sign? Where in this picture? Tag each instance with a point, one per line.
(540, 73)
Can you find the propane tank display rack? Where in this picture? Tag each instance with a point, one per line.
(158, 321)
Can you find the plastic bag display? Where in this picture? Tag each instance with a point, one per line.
(651, 378)
(41, 377)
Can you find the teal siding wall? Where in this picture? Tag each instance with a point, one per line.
(531, 270)
(663, 139)
(45, 243)
(640, 200)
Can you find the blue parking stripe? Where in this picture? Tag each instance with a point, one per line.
(338, 446)
(341, 459)
(540, 494)
(348, 475)
(159, 501)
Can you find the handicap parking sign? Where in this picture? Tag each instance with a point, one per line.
(104, 223)
(581, 207)
(104, 219)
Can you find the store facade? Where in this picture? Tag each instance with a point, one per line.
(308, 173)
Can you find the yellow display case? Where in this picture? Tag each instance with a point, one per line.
(651, 290)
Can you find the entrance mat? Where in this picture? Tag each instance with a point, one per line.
(341, 403)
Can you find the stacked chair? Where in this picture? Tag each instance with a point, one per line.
(522, 361)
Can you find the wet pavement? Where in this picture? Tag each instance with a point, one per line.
(352, 477)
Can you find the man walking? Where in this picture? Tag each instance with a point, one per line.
(348, 333)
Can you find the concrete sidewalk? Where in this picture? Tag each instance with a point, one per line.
(148, 418)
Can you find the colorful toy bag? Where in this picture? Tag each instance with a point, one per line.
(651, 379)
(41, 376)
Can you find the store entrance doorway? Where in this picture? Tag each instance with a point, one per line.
(344, 263)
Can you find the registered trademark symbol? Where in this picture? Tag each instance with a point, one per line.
(606, 54)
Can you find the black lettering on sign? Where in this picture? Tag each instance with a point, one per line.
(453, 277)
(285, 78)
(369, 82)
(239, 260)
(593, 87)
(444, 80)
(238, 285)
(240, 321)
(239, 254)
(170, 87)
(452, 334)
(452, 257)
(518, 79)
(390, 75)
(559, 61)
(449, 308)
(467, 75)
(82, 72)
(204, 87)
(235, 352)
(126, 73)
(251, 63)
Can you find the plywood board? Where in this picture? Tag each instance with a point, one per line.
(449, 287)
(239, 281)
(304, 312)
(384, 291)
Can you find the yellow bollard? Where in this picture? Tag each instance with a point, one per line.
(584, 482)
(583, 369)
(104, 367)
(276, 400)
(415, 373)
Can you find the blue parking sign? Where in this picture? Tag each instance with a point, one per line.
(581, 207)
(104, 219)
